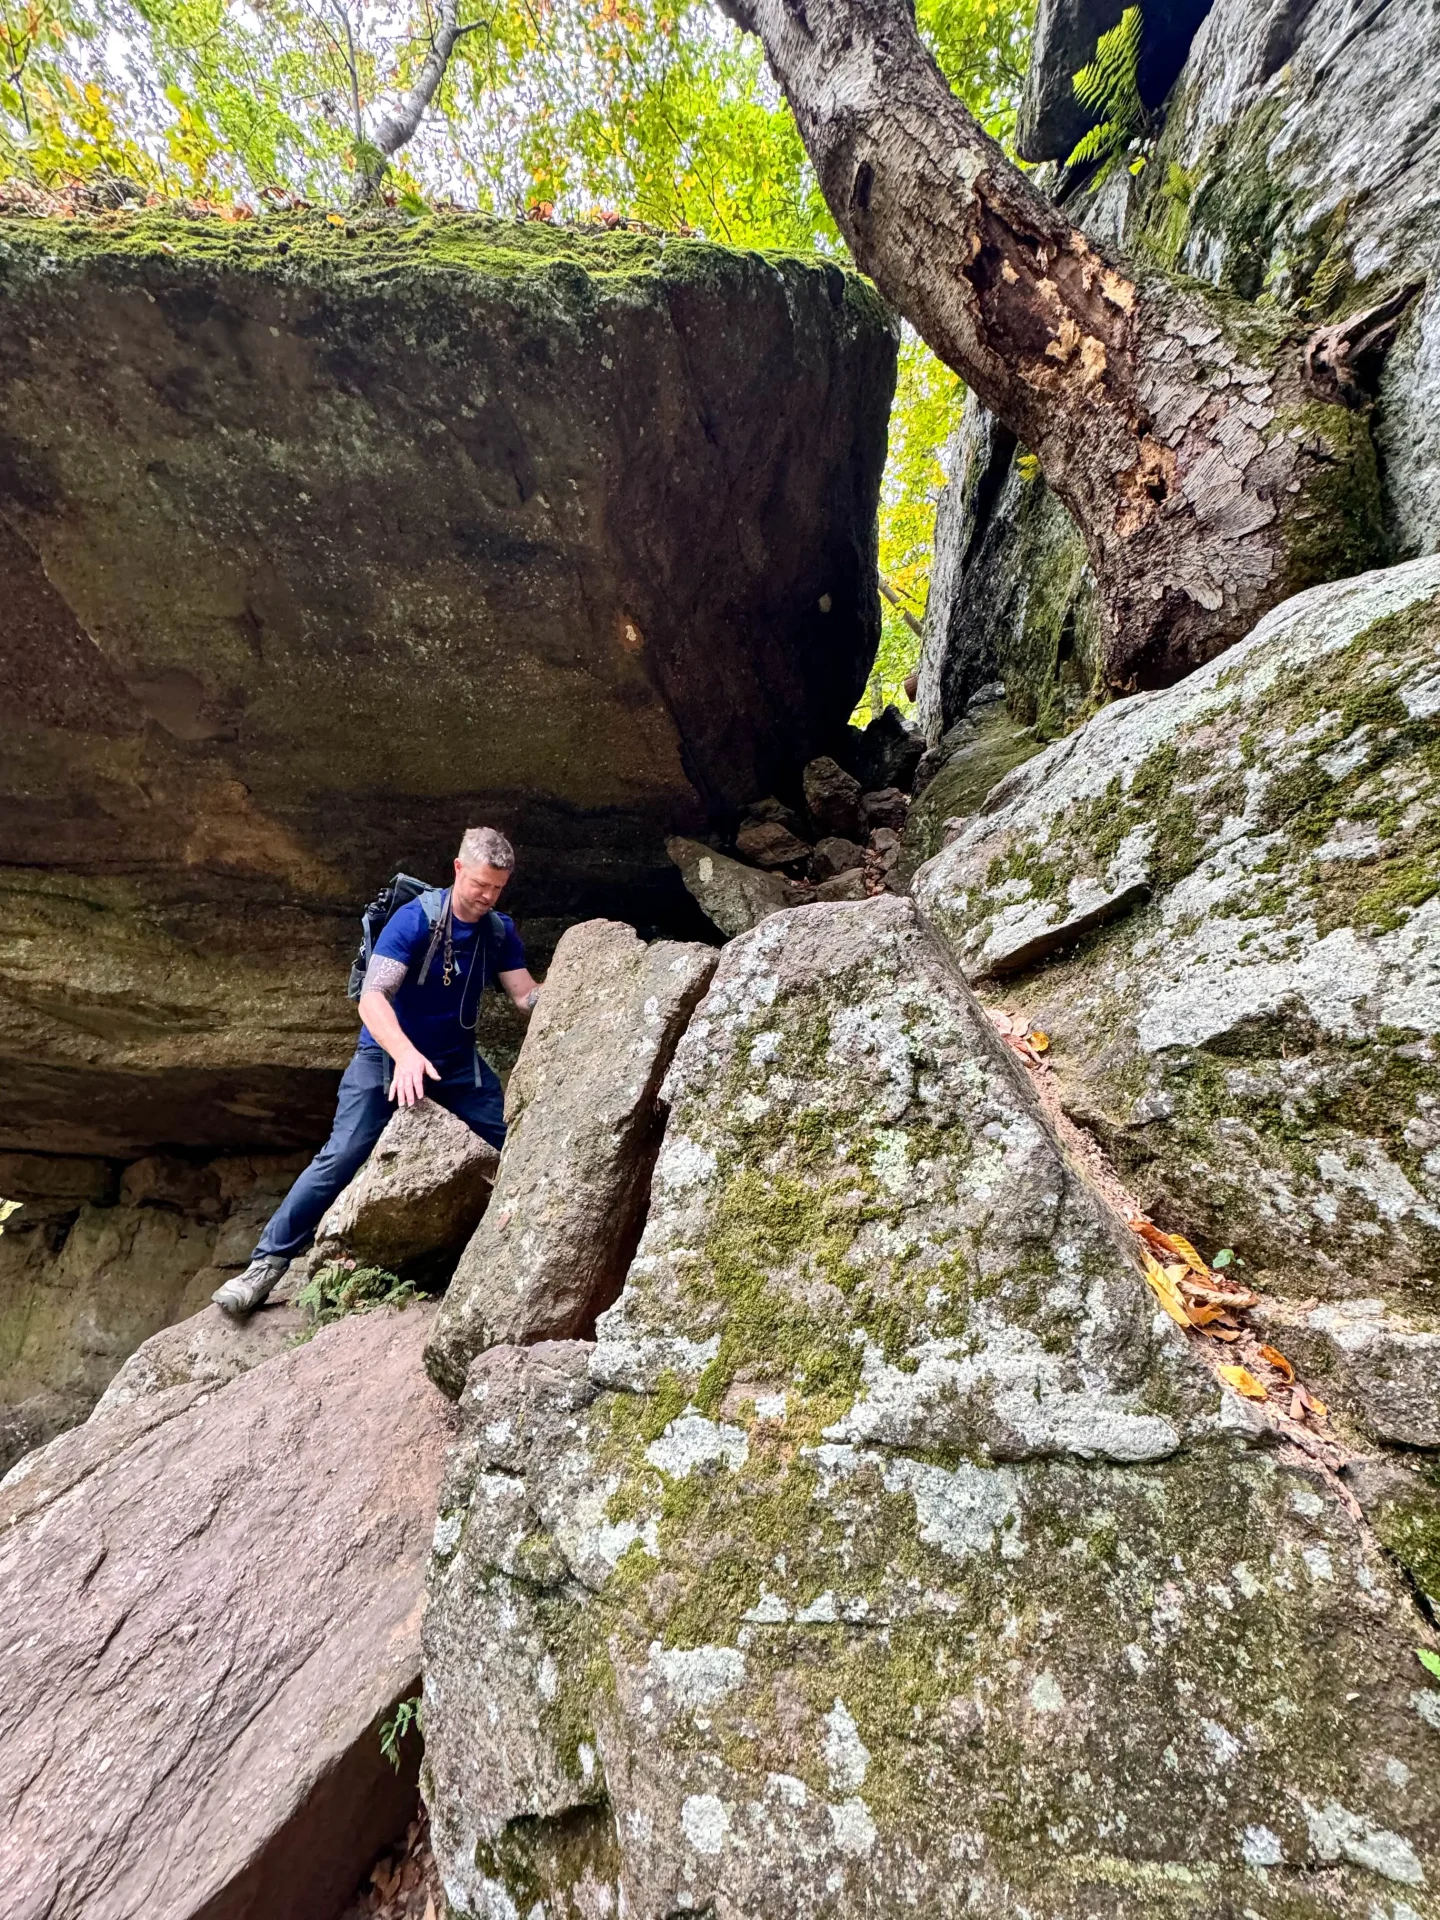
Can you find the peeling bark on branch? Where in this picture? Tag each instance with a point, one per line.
(1208, 478)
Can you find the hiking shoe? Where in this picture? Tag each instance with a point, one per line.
(251, 1288)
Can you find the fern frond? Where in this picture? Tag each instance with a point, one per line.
(1110, 87)
(1100, 143)
(1110, 84)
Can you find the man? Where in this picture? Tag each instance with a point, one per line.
(419, 1003)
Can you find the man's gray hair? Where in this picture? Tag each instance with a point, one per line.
(485, 847)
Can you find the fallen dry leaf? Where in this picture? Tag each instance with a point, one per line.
(1221, 1296)
(1201, 1315)
(1165, 1290)
(1243, 1381)
(1277, 1360)
(1223, 1333)
(1038, 1040)
(1171, 1243)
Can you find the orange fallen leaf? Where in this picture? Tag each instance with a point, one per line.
(1038, 1040)
(1201, 1315)
(1277, 1360)
(1165, 1290)
(1243, 1381)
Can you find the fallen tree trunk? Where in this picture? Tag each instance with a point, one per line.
(1211, 470)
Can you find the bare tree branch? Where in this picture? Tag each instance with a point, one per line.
(399, 124)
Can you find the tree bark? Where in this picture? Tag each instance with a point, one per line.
(1209, 478)
(400, 123)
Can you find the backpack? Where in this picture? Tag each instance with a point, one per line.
(398, 892)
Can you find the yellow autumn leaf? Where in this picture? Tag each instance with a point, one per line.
(336, 219)
(1187, 1253)
(1165, 1290)
(1243, 1381)
(1038, 1040)
(1277, 1360)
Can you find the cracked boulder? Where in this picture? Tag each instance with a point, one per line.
(324, 541)
(584, 1120)
(1222, 903)
(887, 1553)
(209, 1602)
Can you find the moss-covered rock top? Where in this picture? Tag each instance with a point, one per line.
(320, 248)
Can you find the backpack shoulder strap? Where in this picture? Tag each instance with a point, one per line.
(435, 902)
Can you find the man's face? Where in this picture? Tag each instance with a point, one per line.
(477, 889)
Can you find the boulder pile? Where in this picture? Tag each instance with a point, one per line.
(842, 840)
(841, 1510)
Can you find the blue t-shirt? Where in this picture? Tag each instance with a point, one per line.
(440, 1020)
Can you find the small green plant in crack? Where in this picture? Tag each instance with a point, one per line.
(343, 1287)
(409, 1713)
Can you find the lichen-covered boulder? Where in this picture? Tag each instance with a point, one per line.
(209, 1603)
(584, 1125)
(1376, 1365)
(1222, 902)
(887, 1554)
(355, 534)
(417, 1199)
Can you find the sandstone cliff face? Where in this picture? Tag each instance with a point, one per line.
(98, 1257)
(320, 545)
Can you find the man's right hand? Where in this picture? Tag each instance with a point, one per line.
(408, 1084)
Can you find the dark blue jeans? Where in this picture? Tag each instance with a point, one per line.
(361, 1112)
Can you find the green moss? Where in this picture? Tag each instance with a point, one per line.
(1335, 526)
(391, 249)
(1025, 860)
(544, 1860)
(1407, 1523)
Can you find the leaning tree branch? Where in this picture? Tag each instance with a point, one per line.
(1179, 442)
(400, 123)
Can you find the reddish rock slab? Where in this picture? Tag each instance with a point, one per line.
(209, 1601)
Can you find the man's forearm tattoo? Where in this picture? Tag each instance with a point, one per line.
(528, 1003)
(384, 976)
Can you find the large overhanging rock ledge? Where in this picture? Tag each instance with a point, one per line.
(320, 542)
